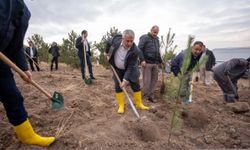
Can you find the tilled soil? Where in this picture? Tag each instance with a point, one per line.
(89, 119)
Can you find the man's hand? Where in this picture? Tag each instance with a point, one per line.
(123, 84)
(143, 63)
(28, 76)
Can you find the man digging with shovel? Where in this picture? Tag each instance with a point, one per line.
(14, 17)
(124, 59)
(84, 54)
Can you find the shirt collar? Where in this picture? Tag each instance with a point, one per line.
(124, 47)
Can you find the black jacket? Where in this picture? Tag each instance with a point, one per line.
(79, 46)
(54, 51)
(211, 60)
(14, 19)
(131, 60)
(150, 49)
(35, 52)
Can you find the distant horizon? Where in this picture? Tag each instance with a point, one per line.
(226, 26)
(224, 54)
(233, 48)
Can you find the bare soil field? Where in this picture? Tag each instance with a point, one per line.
(90, 121)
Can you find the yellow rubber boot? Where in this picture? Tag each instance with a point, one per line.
(27, 135)
(120, 99)
(138, 101)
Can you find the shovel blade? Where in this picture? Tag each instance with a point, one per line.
(88, 81)
(57, 101)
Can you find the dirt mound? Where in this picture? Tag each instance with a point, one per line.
(195, 116)
(89, 119)
(145, 130)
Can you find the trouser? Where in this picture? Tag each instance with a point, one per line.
(11, 97)
(185, 87)
(54, 60)
(150, 78)
(205, 76)
(31, 64)
(135, 86)
(82, 63)
(227, 90)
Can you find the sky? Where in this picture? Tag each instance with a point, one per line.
(218, 23)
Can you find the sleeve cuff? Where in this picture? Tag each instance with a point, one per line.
(126, 81)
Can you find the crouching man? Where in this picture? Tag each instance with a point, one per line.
(227, 75)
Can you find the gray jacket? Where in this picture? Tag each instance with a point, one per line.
(150, 49)
(235, 68)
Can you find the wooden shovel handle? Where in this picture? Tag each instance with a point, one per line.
(125, 91)
(31, 59)
(21, 73)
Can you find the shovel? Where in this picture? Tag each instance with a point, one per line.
(32, 60)
(87, 79)
(57, 99)
(191, 91)
(125, 91)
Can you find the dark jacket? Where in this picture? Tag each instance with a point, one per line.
(79, 46)
(211, 60)
(14, 18)
(54, 51)
(177, 62)
(35, 52)
(150, 49)
(131, 60)
(235, 68)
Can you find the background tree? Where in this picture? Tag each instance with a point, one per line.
(167, 54)
(68, 50)
(102, 44)
(42, 47)
(167, 47)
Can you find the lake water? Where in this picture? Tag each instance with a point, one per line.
(224, 54)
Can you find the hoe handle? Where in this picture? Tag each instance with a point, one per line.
(21, 73)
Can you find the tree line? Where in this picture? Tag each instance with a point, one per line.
(68, 51)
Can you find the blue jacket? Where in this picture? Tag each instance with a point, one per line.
(177, 62)
(131, 60)
(14, 18)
